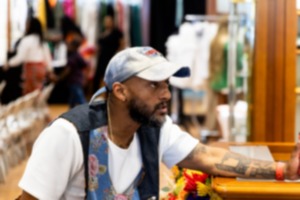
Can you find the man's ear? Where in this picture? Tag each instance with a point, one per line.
(119, 91)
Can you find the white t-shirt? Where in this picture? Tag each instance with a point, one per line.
(30, 50)
(55, 168)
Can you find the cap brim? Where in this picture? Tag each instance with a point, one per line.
(163, 71)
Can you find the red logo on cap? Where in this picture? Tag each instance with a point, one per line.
(150, 52)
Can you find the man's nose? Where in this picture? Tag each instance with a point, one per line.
(165, 94)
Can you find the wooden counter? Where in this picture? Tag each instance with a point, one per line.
(232, 189)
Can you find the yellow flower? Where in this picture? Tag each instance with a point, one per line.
(191, 171)
(202, 189)
(175, 171)
(179, 185)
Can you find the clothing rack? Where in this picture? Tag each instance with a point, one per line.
(233, 22)
(192, 18)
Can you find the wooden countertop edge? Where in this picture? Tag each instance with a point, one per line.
(250, 189)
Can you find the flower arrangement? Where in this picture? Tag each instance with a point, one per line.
(189, 185)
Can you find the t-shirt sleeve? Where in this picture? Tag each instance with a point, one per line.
(175, 144)
(22, 50)
(56, 157)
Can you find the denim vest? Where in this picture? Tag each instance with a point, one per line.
(100, 186)
(88, 117)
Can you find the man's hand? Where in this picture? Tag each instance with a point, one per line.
(293, 165)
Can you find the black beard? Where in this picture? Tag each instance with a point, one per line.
(140, 114)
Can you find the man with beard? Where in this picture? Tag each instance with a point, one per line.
(122, 140)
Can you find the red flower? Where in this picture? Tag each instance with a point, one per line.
(192, 179)
(171, 196)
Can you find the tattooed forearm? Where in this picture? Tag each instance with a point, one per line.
(245, 166)
(234, 163)
(262, 169)
(198, 149)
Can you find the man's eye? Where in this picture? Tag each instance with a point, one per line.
(153, 85)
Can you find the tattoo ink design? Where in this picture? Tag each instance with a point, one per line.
(241, 165)
(198, 149)
(262, 169)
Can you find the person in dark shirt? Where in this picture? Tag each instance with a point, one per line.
(74, 72)
(110, 42)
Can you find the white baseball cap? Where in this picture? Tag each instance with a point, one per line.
(143, 62)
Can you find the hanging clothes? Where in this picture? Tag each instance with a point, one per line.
(3, 33)
(19, 12)
(135, 28)
(89, 13)
(219, 81)
(59, 13)
(119, 14)
(191, 47)
(122, 19)
(179, 12)
(126, 23)
(145, 22)
(41, 13)
(49, 15)
(69, 8)
(52, 3)
(101, 14)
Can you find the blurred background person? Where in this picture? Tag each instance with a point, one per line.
(72, 32)
(110, 42)
(69, 28)
(74, 71)
(34, 54)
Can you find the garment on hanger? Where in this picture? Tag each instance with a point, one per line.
(219, 81)
(41, 13)
(145, 22)
(135, 28)
(179, 12)
(89, 14)
(69, 8)
(49, 15)
(191, 47)
(119, 7)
